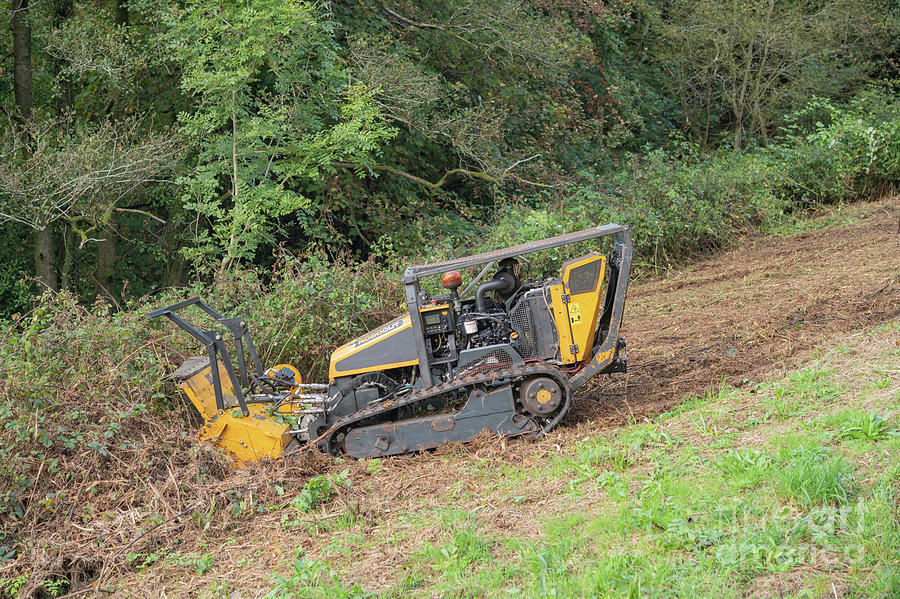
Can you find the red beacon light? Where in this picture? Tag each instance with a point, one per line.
(451, 279)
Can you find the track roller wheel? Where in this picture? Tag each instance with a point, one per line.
(541, 396)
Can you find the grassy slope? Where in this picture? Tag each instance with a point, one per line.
(786, 488)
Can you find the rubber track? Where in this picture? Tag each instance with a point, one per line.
(421, 395)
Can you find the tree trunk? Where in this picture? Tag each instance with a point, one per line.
(44, 243)
(106, 247)
(45, 257)
(68, 259)
(174, 275)
(21, 30)
(106, 260)
(705, 141)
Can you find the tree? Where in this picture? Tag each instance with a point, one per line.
(273, 108)
(751, 61)
(423, 61)
(79, 173)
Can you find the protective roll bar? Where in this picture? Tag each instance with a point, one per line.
(606, 350)
(215, 346)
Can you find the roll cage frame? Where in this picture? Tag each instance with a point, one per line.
(605, 351)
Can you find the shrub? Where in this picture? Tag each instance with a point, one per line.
(833, 152)
(313, 306)
(675, 208)
(680, 204)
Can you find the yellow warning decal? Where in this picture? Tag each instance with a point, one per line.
(575, 313)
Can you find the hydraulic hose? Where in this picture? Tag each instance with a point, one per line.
(503, 283)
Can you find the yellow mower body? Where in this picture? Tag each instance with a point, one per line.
(244, 439)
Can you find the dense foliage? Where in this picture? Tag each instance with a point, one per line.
(149, 143)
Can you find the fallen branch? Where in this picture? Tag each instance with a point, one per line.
(434, 186)
(340, 496)
(154, 527)
(814, 320)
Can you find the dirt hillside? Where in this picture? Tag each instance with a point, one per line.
(752, 311)
(743, 315)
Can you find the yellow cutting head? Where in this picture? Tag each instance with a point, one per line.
(244, 439)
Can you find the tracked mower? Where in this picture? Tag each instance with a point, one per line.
(504, 354)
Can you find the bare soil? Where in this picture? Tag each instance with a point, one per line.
(750, 313)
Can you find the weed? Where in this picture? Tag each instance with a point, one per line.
(712, 396)
(761, 549)
(200, 563)
(312, 579)
(843, 349)
(549, 565)
(683, 534)
(143, 560)
(868, 426)
(588, 454)
(883, 383)
(707, 427)
(638, 437)
(317, 491)
(744, 467)
(812, 477)
(12, 585)
(584, 474)
(809, 384)
(887, 327)
(661, 501)
(220, 588)
(464, 547)
(799, 390)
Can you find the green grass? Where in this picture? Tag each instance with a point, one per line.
(800, 391)
(813, 477)
(745, 467)
(720, 394)
(461, 547)
(866, 426)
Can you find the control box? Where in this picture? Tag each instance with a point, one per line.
(436, 319)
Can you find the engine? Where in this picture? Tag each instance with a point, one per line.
(505, 311)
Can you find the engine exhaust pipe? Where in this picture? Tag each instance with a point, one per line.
(503, 282)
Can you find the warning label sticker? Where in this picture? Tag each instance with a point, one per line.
(574, 313)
